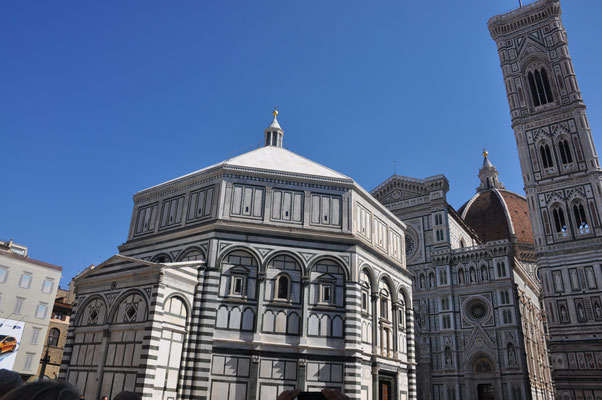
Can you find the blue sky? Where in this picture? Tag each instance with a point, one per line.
(99, 100)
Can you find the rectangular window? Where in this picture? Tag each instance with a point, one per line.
(3, 274)
(238, 284)
(19, 305)
(325, 210)
(446, 322)
(47, 285)
(380, 232)
(365, 301)
(364, 222)
(35, 335)
(247, 201)
(326, 293)
(147, 216)
(41, 310)
(28, 361)
(200, 204)
(287, 206)
(384, 308)
(25, 281)
(171, 214)
(395, 245)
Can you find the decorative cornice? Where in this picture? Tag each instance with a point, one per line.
(523, 17)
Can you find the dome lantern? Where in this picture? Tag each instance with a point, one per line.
(274, 133)
(488, 175)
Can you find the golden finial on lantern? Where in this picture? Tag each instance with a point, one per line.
(485, 153)
(275, 112)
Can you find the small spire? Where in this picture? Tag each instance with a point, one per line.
(486, 162)
(274, 133)
(488, 175)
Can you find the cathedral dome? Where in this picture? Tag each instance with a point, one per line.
(496, 213)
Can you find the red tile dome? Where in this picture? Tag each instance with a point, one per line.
(497, 214)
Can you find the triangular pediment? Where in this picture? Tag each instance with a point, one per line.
(478, 341)
(530, 47)
(117, 260)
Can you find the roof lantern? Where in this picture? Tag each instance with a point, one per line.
(274, 133)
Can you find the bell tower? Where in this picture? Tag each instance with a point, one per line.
(563, 184)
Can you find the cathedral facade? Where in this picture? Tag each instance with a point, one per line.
(260, 274)
(563, 184)
(479, 327)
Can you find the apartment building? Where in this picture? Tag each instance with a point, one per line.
(28, 289)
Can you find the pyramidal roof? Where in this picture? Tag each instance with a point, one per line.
(282, 160)
(272, 159)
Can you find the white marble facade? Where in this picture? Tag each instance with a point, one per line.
(479, 325)
(262, 273)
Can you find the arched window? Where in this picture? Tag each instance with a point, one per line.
(546, 156)
(580, 219)
(161, 258)
(565, 152)
(192, 255)
(53, 337)
(559, 221)
(282, 287)
(501, 269)
(540, 87)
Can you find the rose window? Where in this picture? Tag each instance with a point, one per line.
(477, 310)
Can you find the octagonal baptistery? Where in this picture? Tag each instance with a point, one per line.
(262, 273)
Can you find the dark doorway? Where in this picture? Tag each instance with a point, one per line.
(384, 390)
(485, 392)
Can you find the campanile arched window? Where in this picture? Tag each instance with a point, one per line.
(580, 218)
(559, 221)
(565, 151)
(539, 84)
(546, 156)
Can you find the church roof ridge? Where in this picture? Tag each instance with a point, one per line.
(408, 179)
